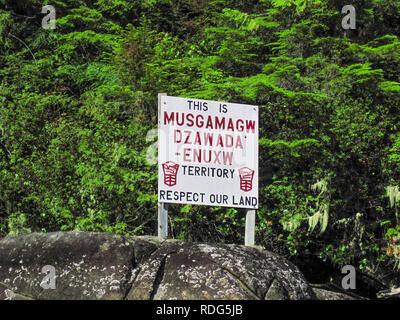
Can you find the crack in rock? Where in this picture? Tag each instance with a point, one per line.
(237, 278)
(159, 275)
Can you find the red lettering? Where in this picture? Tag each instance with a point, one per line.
(239, 143)
(186, 155)
(216, 154)
(219, 141)
(199, 124)
(197, 155)
(250, 125)
(209, 123)
(180, 136)
(227, 156)
(197, 140)
(209, 156)
(240, 128)
(168, 119)
(187, 137)
(230, 125)
(208, 139)
(181, 123)
(190, 121)
(219, 124)
(228, 141)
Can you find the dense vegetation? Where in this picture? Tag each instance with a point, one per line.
(78, 103)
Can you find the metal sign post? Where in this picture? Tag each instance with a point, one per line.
(162, 220)
(162, 207)
(250, 226)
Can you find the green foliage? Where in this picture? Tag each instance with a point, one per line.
(77, 103)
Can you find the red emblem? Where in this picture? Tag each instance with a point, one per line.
(246, 179)
(170, 171)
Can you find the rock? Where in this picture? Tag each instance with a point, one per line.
(7, 294)
(87, 265)
(332, 291)
(216, 271)
(390, 294)
(324, 294)
(104, 266)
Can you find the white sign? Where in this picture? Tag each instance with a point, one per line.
(208, 153)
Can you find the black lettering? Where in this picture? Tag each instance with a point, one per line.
(212, 198)
(254, 201)
(162, 194)
(212, 170)
(233, 201)
(169, 193)
(248, 201)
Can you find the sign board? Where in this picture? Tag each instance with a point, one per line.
(208, 153)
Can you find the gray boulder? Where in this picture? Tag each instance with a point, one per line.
(326, 294)
(87, 265)
(217, 271)
(104, 266)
